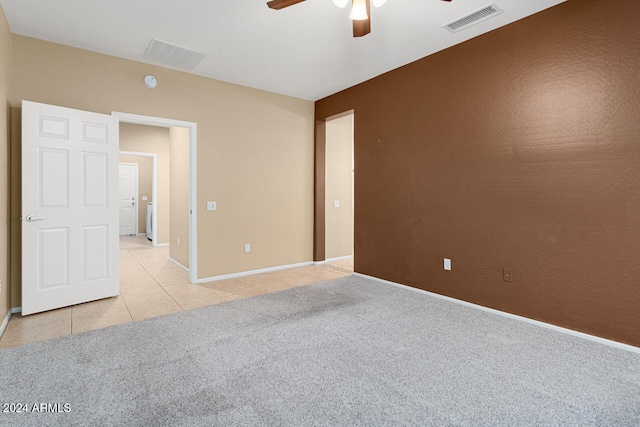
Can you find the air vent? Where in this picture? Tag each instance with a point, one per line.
(172, 54)
(473, 18)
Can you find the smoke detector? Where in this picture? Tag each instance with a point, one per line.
(150, 82)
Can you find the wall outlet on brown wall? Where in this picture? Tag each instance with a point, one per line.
(506, 274)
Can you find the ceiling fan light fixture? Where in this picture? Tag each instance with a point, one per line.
(359, 11)
(378, 3)
(341, 3)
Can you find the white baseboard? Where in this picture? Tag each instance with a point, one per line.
(340, 258)
(179, 264)
(5, 322)
(159, 245)
(248, 273)
(513, 316)
(328, 260)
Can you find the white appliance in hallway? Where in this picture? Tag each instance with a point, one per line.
(150, 221)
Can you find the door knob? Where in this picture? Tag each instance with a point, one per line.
(31, 218)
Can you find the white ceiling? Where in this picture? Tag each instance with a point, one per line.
(306, 50)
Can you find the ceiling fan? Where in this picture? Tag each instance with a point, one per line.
(360, 12)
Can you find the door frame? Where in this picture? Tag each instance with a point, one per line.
(135, 223)
(154, 183)
(193, 206)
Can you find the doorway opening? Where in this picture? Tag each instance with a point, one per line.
(334, 241)
(188, 132)
(146, 195)
(128, 197)
(339, 200)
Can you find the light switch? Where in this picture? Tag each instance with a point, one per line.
(211, 206)
(144, 198)
(336, 203)
(447, 264)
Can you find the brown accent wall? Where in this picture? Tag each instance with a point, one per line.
(319, 191)
(518, 149)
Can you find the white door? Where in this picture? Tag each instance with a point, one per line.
(128, 198)
(69, 207)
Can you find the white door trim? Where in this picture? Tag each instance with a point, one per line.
(154, 186)
(193, 145)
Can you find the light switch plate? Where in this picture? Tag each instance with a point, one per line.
(336, 203)
(447, 264)
(144, 197)
(211, 206)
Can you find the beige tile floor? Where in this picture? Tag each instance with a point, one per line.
(151, 285)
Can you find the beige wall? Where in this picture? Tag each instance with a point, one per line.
(152, 139)
(5, 167)
(255, 148)
(339, 186)
(179, 195)
(145, 186)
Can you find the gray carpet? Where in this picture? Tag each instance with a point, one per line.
(346, 352)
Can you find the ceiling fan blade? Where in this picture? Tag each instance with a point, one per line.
(281, 4)
(362, 28)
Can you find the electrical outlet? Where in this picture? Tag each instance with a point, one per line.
(178, 241)
(447, 264)
(247, 247)
(506, 274)
(211, 206)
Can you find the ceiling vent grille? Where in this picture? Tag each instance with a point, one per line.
(479, 15)
(172, 54)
